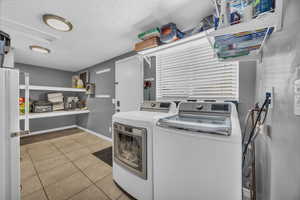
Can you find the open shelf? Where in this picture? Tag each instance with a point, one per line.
(154, 50)
(54, 114)
(264, 21)
(47, 88)
(252, 56)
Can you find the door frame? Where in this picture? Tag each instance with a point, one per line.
(141, 77)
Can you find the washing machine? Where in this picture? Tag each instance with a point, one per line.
(197, 154)
(133, 147)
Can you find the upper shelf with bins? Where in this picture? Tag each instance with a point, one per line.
(266, 20)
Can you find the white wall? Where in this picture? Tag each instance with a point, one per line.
(278, 156)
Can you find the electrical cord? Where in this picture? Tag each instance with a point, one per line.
(252, 133)
(249, 114)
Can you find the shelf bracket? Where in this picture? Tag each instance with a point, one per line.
(211, 43)
(260, 51)
(148, 60)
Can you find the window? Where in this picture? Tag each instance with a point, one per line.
(193, 72)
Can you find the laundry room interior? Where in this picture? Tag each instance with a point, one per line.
(150, 100)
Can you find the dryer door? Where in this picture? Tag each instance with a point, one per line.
(130, 146)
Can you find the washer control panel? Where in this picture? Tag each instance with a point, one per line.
(205, 107)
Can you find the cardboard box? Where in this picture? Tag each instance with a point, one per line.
(146, 44)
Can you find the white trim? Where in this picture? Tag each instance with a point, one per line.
(103, 96)
(50, 130)
(95, 133)
(54, 114)
(48, 88)
(103, 71)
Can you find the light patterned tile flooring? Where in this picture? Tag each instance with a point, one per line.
(61, 167)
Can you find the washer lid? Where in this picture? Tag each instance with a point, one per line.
(198, 124)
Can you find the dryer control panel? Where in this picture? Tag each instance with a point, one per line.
(156, 106)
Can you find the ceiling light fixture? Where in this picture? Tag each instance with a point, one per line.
(57, 22)
(39, 49)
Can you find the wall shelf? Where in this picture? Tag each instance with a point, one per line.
(54, 114)
(254, 55)
(261, 22)
(155, 50)
(265, 20)
(47, 88)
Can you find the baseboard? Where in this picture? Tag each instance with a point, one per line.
(50, 130)
(95, 133)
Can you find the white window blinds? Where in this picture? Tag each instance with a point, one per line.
(193, 72)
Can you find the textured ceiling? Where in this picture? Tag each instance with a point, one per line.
(102, 30)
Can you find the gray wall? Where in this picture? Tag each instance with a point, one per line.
(101, 109)
(278, 152)
(150, 72)
(46, 77)
(247, 86)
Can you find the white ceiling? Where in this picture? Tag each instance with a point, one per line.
(102, 30)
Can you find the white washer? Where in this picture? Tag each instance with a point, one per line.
(198, 154)
(132, 147)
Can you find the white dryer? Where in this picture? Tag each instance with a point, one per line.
(198, 153)
(133, 147)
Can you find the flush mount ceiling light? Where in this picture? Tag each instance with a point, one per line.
(39, 49)
(57, 22)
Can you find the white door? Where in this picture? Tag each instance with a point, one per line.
(129, 84)
(9, 145)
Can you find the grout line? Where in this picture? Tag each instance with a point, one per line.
(91, 180)
(38, 175)
(75, 172)
(73, 163)
(81, 171)
(101, 188)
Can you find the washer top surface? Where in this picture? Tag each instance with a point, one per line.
(144, 116)
(210, 120)
(150, 111)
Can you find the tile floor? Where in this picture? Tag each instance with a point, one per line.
(60, 166)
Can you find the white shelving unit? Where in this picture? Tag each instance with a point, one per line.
(47, 88)
(54, 114)
(266, 20)
(28, 116)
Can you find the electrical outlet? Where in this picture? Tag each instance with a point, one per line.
(109, 129)
(270, 92)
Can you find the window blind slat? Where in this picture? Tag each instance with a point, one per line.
(195, 73)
